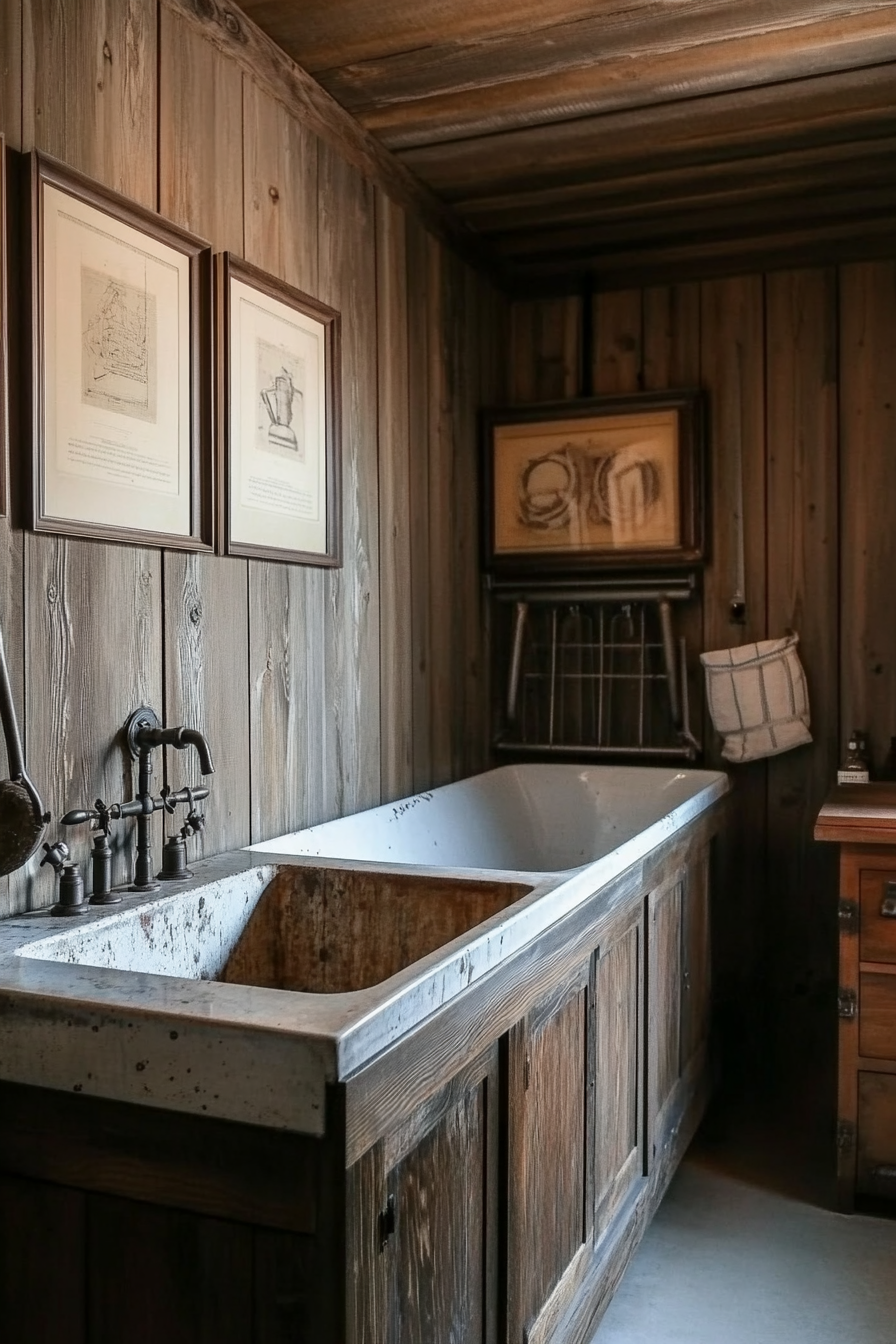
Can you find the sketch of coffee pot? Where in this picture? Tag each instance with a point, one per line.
(278, 400)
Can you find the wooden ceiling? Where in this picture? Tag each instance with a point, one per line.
(617, 139)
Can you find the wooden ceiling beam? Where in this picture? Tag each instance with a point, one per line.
(667, 262)
(799, 172)
(726, 221)
(824, 109)
(232, 33)
(694, 50)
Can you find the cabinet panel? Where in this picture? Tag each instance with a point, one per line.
(876, 1172)
(877, 1018)
(877, 893)
(663, 1004)
(546, 1149)
(437, 1288)
(618, 1105)
(42, 1262)
(696, 980)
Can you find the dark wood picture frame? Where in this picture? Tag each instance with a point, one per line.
(4, 338)
(558, 525)
(176, 250)
(325, 325)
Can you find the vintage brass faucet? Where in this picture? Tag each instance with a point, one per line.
(143, 733)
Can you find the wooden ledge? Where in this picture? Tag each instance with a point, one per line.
(859, 814)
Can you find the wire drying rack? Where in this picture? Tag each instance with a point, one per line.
(595, 669)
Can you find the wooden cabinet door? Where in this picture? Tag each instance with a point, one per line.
(696, 980)
(422, 1209)
(664, 979)
(547, 1160)
(618, 1130)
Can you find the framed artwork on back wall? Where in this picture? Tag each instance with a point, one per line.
(618, 482)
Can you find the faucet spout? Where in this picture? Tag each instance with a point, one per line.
(147, 737)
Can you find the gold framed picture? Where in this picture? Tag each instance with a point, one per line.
(604, 481)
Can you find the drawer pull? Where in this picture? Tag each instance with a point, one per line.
(887, 1173)
(888, 905)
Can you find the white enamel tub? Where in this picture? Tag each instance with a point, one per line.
(520, 818)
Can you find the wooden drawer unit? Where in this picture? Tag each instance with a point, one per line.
(862, 820)
(877, 916)
(876, 1158)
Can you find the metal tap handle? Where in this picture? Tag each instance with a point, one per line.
(55, 855)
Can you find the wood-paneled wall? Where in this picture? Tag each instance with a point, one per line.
(320, 692)
(798, 369)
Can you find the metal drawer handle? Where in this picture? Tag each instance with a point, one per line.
(888, 905)
(883, 1173)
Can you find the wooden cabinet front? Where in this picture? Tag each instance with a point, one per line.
(547, 1163)
(421, 1212)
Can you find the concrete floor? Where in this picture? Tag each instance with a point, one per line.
(742, 1251)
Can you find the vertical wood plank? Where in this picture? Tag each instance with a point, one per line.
(206, 598)
(663, 1007)
(348, 283)
(420, 337)
(288, 705)
(671, 338)
(201, 135)
(732, 368)
(618, 341)
(803, 594)
(92, 611)
(179, 1277)
(447, 319)
(545, 350)
(206, 640)
(11, 72)
(90, 89)
(396, 649)
(34, 1217)
(287, 1288)
(868, 500)
(618, 1124)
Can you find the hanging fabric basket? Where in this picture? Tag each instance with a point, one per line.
(758, 699)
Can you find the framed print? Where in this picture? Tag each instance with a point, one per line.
(122, 373)
(278, 419)
(599, 482)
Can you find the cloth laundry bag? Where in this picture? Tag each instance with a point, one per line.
(758, 699)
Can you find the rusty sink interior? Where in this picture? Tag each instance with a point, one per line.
(328, 931)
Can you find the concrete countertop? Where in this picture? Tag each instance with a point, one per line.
(187, 1042)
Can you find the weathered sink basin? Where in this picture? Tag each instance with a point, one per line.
(315, 930)
(332, 931)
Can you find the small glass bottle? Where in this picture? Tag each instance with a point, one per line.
(854, 769)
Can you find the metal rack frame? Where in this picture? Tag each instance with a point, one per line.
(596, 664)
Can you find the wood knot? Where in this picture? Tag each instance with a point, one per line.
(233, 25)
(274, 194)
(107, 52)
(196, 613)
(52, 594)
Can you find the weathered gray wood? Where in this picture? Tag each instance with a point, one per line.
(841, 106)
(92, 611)
(206, 598)
(455, 89)
(206, 637)
(347, 273)
(421, 255)
(11, 72)
(664, 911)
(90, 89)
(617, 1138)
(546, 1155)
(396, 647)
(235, 37)
(288, 712)
(201, 122)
